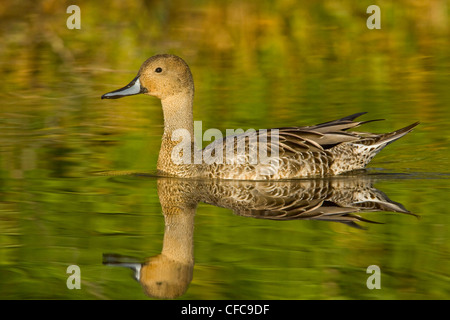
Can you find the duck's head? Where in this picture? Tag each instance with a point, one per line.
(163, 277)
(162, 76)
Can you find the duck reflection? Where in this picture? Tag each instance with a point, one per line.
(168, 275)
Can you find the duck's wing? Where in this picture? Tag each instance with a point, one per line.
(295, 139)
(334, 132)
(326, 135)
(318, 199)
(300, 151)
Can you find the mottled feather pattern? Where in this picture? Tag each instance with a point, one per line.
(331, 199)
(321, 150)
(325, 149)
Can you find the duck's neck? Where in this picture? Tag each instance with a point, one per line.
(178, 130)
(178, 242)
(178, 205)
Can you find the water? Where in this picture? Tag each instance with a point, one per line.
(278, 66)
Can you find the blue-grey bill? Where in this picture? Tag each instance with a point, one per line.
(134, 87)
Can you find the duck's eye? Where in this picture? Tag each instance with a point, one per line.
(158, 70)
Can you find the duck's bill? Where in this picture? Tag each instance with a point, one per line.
(123, 261)
(134, 87)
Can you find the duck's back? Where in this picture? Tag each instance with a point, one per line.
(294, 152)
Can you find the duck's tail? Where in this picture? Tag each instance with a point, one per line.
(390, 137)
(357, 154)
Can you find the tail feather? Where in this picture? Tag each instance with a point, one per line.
(342, 124)
(395, 135)
(357, 154)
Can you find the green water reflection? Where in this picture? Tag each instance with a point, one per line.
(60, 222)
(256, 65)
(168, 274)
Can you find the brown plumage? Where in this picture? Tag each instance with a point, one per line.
(292, 152)
(336, 199)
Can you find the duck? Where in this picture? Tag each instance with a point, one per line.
(325, 149)
(168, 274)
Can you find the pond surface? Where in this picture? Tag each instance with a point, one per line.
(69, 194)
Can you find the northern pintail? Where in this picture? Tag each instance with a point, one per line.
(319, 150)
(335, 199)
